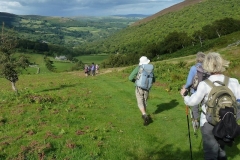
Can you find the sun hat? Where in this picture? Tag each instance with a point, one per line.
(143, 60)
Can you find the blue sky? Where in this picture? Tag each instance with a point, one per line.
(67, 8)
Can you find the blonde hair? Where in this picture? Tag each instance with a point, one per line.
(200, 57)
(214, 63)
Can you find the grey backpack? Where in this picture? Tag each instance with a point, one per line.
(144, 77)
(201, 75)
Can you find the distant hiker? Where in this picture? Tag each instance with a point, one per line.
(213, 146)
(191, 88)
(143, 78)
(97, 68)
(86, 70)
(93, 69)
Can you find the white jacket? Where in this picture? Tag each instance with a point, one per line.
(203, 90)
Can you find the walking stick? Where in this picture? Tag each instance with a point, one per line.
(189, 132)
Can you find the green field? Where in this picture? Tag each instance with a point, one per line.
(61, 66)
(69, 116)
(89, 59)
(66, 116)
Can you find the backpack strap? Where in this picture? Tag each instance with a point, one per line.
(224, 83)
(209, 83)
(226, 80)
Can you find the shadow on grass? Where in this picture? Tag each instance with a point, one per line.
(166, 106)
(170, 152)
(58, 88)
(234, 150)
(167, 152)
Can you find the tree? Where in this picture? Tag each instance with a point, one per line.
(49, 64)
(199, 36)
(10, 64)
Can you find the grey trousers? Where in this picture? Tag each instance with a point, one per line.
(211, 148)
(142, 96)
(195, 109)
(195, 112)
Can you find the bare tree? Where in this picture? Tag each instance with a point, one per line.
(10, 64)
(218, 33)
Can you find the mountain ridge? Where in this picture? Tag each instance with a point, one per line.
(172, 8)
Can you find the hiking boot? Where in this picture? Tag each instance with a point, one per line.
(145, 120)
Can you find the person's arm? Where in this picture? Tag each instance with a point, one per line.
(133, 74)
(191, 74)
(198, 96)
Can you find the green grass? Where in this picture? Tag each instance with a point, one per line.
(70, 116)
(89, 59)
(89, 118)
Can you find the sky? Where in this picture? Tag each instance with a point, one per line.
(68, 8)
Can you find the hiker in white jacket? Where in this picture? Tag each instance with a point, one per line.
(215, 65)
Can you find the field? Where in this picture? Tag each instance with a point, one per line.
(61, 66)
(89, 59)
(69, 116)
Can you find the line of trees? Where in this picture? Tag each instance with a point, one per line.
(178, 40)
(45, 48)
(175, 41)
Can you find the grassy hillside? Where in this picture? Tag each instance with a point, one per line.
(70, 116)
(173, 8)
(188, 19)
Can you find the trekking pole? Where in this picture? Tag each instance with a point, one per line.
(189, 132)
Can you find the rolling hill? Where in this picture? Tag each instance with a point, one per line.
(187, 17)
(66, 31)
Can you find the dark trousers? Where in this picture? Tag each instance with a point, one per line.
(211, 148)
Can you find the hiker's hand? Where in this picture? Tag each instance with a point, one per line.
(182, 92)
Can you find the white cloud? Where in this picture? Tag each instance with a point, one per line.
(10, 7)
(84, 7)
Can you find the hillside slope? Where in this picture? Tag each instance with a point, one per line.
(189, 19)
(173, 8)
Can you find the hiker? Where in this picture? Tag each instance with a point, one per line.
(93, 68)
(97, 68)
(192, 72)
(215, 65)
(86, 70)
(142, 94)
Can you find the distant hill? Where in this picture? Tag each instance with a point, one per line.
(188, 16)
(66, 31)
(140, 16)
